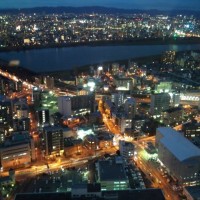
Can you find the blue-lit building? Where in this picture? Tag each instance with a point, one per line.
(180, 156)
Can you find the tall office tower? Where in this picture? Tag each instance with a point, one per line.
(64, 105)
(159, 103)
(36, 96)
(118, 98)
(54, 142)
(43, 116)
(49, 82)
(130, 107)
(115, 69)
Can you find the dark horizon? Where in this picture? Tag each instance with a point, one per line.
(97, 9)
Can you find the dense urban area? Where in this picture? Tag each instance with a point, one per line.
(38, 30)
(112, 131)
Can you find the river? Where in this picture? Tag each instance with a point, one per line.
(54, 59)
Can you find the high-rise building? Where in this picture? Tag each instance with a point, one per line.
(118, 98)
(54, 142)
(64, 105)
(43, 117)
(6, 114)
(22, 124)
(159, 103)
(130, 108)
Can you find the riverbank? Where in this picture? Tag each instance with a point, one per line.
(64, 74)
(131, 42)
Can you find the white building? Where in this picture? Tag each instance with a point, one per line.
(64, 105)
(179, 155)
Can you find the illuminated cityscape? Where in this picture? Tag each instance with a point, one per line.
(114, 130)
(38, 30)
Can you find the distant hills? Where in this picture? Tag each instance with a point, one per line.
(96, 9)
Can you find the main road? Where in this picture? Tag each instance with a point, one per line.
(151, 170)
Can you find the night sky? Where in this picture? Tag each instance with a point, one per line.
(130, 4)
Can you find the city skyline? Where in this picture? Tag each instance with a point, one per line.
(126, 4)
(99, 100)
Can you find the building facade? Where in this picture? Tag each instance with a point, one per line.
(54, 141)
(159, 103)
(180, 156)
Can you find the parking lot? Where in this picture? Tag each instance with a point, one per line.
(56, 181)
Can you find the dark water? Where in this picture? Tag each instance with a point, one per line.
(41, 60)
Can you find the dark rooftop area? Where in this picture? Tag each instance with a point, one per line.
(43, 196)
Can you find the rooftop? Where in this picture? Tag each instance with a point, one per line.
(194, 191)
(146, 194)
(43, 196)
(109, 170)
(176, 143)
(170, 110)
(52, 128)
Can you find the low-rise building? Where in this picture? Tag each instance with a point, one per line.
(86, 190)
(111, 174)
(172, 115)
(17, 151)
(180, 156)
(191, 129)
